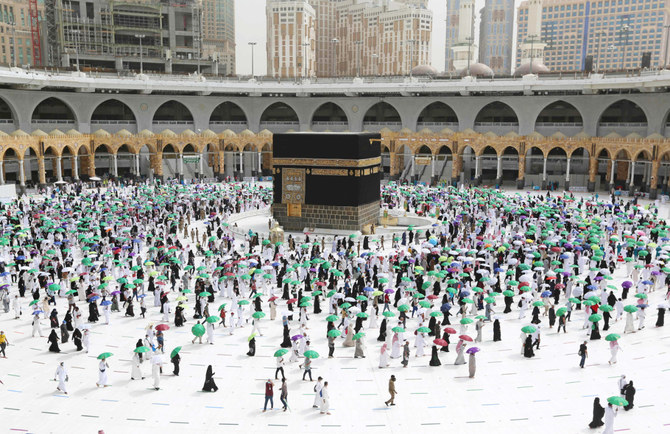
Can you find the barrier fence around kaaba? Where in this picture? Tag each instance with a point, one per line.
(326, 180)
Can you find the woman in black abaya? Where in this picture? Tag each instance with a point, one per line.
(53, 339)
(528, 347)
(598, 413)
(496, 331)
(210, 385)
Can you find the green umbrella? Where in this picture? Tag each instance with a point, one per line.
(617, 400)
(70, 292)
(311, 354)
(436, 314)
(508, 293)
(334, 333)
(612, 337)
(467, 321)
(243, 302)
(398, 330)
(403, 308)
(630, 308)
(357, 336)
(332, 318)
(175, 352)
(54, 287)
(142, 349)
(213, 319)
(538, 303)
(561, 311)
(388, 314)
(423, 330)
(280, 352)
(258, 315)
(606, 308)
(105, 356)
(362, 315)
(528, 329)
(34, 302)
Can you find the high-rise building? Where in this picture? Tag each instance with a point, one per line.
(496, 35)
(452, 19)
(218, 33)
(326, 36)
(109, 34)
(15, 32)
(609, 34)
(382, 37)
(291, 38)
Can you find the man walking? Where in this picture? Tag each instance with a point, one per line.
(308, 369)
(583, 353)
(317, 392)
(392, 391)
(268, 395)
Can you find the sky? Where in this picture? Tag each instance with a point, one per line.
(250, 26)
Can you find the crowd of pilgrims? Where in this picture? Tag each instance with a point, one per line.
(484, 255)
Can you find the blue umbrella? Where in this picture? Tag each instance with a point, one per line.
(368, 289)
(546, 294)
(644, 282)
(105, 303)
(94, 298)
(37, 312)
(4, 273)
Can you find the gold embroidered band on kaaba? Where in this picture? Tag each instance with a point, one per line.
(326, 162)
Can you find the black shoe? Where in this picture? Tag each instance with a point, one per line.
(387, 404)
(392, 404)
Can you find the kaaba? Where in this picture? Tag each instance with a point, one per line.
(326, 180)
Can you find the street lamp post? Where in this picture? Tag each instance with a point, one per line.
(599, 34)
(624, 30)
(358, 58)
(76, 45)
(335, 41)
(667, 42)
(411, 55)
(140, 37)
(305, 60)
(532, 51)
(252, 44)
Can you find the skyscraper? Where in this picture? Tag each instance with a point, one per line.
(453, 7)
(326, 36)
(382, 37)
(218, 33)
(496, 34)
(291, 38)
(615, 33)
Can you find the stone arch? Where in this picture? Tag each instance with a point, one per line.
(468, 158)
(53, 110)
(229, 115)
(403, 156)
(113, 110)
(8, 117)
(103, 159)
(279, 117)
(623, 117)
(10, 164)
(488, 150)
(644, 152)
(437, 114)
(559, 116)
(381, 115)
(172, 112)
(498, 118)
(329, 116)
(423, 150)
(53, 149)
(125, 159)
(50, 159)
(266, 159)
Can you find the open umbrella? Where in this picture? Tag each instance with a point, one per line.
(612, 337)
(472, 350)
(105, 356)
(213, 319)
(175, 352)
(142, 349)
(357, 336)
(311, 354)
(528, 329)
(258, 315)
(440, 342)
(617, 400)
(465, 338)
(280, 352)
(595, 317)
(388, 314)
(398, 330)
(162, 327)
(450, 330)
(334, 333)
(198, 330)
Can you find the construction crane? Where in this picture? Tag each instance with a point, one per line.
(36, 40)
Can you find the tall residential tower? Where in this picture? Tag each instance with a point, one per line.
(496, 35)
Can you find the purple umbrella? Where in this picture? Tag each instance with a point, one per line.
(627, 284)
(388, 291)
(472, 350)
(296, 337)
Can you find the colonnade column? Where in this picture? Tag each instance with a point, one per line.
(181, 166)
(432, 170)
(75, 167)
(477, 166)
(499, 172)
(653, 182)
(260, 163)
(200, 171)
(612, 168)
(22, 173)
(544, 174)
(593, 172)
(41, 172)
(2, 174)
(59, 173)
(567, 175)
(520, 181)
(631, 187)
(411, 168)
(116, 166)
(137, 164)
(241, 165)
